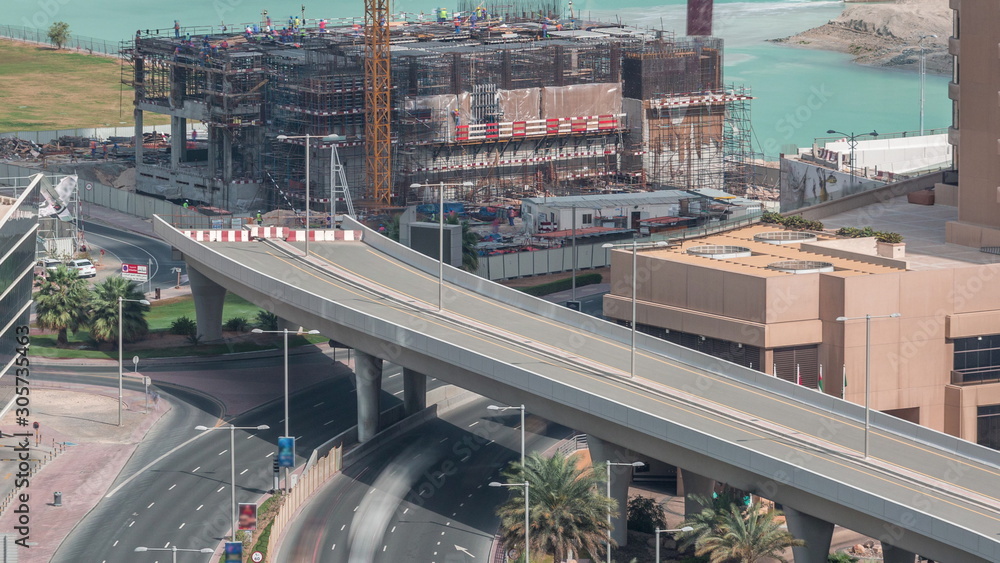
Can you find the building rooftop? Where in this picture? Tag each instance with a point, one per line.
(659, 197)
(923, 230)
(756, 256)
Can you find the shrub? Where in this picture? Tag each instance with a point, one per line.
(645, 514)
(881, 236)
(266, 320)
(792, 222)
(841, 558)
(194, 339)
(237, 324)
(884, 236)
(183, 326)
(772, 217)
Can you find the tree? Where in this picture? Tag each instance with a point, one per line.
(746, 537)
(645, 514)
(470, 255)
(568, 510)
(709, 519)
(59, 34)
(104, 311)
(62, 303)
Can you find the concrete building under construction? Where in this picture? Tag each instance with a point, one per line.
(504, 98)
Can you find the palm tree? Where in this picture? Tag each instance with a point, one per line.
(568, 511)
(61, 303)
(104, 311)
(709, 520)
(746, 537)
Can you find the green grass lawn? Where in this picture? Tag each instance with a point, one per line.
(45, 89)
(160, 317)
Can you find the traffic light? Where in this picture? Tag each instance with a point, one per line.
(274, 464)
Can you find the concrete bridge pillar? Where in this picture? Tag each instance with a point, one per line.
(208, 300)
(414, 391)
(178, 141)
(817, 534)
(893, 554)
(368, 378)
(621, 477)
(690, 483)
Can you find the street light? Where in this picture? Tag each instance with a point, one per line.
(173, 549)
(307, 137)
(634, 244)
(441, 235)
(232, 458)
(868, 365)
(285, 333)
(520, 408)
(527, 521)
(608, 465)
(852, 142)
(657, 534)
(120, 346)
(923, 78)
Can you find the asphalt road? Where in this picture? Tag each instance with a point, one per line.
(131, 248)
(175, 489)
(423, 496)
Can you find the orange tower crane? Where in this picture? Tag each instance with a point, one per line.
(378, 133)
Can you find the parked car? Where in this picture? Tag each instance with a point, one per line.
(84, 268)
(49, 264)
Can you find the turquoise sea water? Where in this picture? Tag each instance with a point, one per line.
(800, 92)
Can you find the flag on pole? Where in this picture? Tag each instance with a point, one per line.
(798, 375)
(819, 383)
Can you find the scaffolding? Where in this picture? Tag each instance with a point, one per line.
(519, 109)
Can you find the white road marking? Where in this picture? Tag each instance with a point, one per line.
(172, 487)
(270, 454)
(397, 392)
(195, 470)
(151, 505)
(223, 451)
(443, 440)
(473, 424)
(392, 530)
(371, 491)
(383, 548)
(154, 462)
(298, 437)
(166, 545)
(407, 510)
(319, 403)
(342, 527)
(244, 471)
(181, 526)
(328, 423)
(250, 436)
(357, 507)
(333, 547)
(132, 523)
(115, 544)
(220, 489)
(199, 507)
(448, 523)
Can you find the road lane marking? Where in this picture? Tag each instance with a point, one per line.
(371, 491)
(333, 547)
(172, 487)
(115, 544)
(195, 469)
(473, 424)
(151, 505)
(220, 489)
(397, 392)
(223, 451)
(182, 525)
(244, 471)
(357, 507)
(443, 440)
(342, 527)
(328, 423)
(392, 530)
(199, 507)
(270, 454)
(154, 462)
(319, 403)
(298, 437)
(132, 523)
(406, 510)
(383, 548)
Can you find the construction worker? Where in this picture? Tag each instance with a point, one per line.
(177, 29)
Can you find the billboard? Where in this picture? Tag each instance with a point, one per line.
(234, 552)
(286, 451)
(247, 516)
(135, 272)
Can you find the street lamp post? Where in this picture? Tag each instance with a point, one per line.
(923, 78)
(520, 408)
(657, 534)
(285, 333)
(608, 465)
(852, 142)
(527, 520)
(634, 275)
(307, 137)
(441, 235)
(868, 366)
(232, 459)
(173, 549)
(120, 347)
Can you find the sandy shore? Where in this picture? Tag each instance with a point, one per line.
(886, 34)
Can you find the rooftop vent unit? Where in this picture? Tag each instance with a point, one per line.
(719, 251)
(784, 237)
(801, 267)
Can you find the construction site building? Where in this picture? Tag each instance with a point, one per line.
(515, 104)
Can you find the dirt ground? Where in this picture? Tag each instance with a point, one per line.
(83, 417)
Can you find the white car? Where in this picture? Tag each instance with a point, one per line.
(84, 268)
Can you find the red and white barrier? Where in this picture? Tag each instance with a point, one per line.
(324, 235)
(257, 232)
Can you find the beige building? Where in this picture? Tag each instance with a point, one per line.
(975, 130)
(769, 299)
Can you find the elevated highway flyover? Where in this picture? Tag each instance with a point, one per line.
(920, 491)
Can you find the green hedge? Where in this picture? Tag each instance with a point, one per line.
(881, 236)
(792, 222)
(561, 285)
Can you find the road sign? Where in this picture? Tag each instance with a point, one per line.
(135, 272)
(257, 557)
(286, 451)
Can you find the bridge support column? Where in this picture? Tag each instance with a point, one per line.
(816, 532)
(694, 484)
(893, 554)
(621, 477)
(208, 300)
(368, 378)
(414, 391)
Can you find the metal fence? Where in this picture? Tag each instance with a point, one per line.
(43, 137)
(89, 45)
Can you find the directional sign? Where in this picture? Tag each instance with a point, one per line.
(135, 272)
(465, 551)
